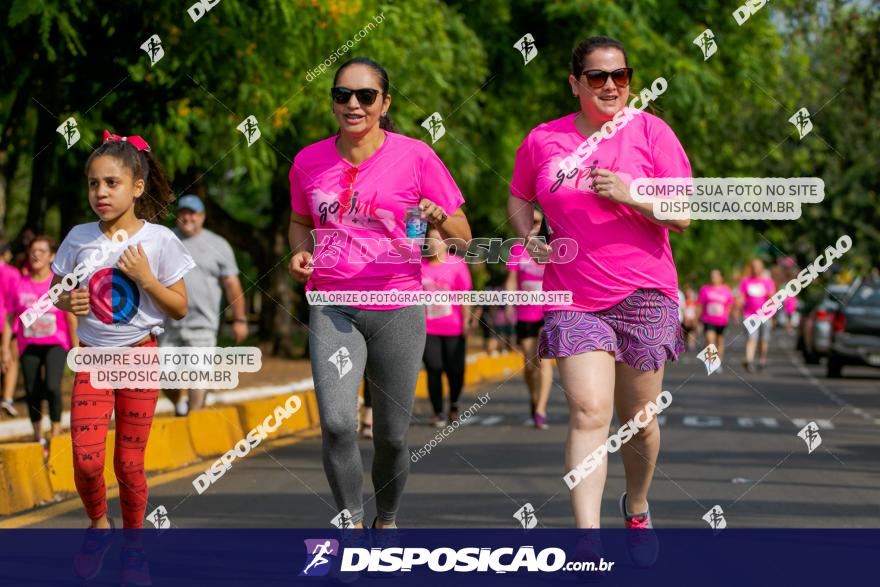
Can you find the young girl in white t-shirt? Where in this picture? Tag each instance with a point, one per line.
(129, 278)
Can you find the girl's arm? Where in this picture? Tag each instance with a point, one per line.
(72, 323)
(75, 301)
(170, 300)
(63, 302)
(5, 354)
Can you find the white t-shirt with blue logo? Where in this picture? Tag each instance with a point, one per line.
(120, 312)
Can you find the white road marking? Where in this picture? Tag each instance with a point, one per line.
(828, 393)
(751, 422)
(702, 421)
(801, 422)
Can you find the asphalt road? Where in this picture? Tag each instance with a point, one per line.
(728, 439)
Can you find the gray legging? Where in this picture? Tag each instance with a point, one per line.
(388, 344)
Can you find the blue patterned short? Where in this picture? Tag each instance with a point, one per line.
(642, 331)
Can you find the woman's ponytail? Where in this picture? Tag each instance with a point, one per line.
(157, 196)
(385, 123)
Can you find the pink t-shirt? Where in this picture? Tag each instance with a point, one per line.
(50, 328)
(755, 291)
(529, 277)
(716, 301)
(350, 253)
(619, 250)
(450, 275)
(9, 276)
(790, 305)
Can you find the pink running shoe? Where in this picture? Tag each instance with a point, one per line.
(642, 541)
(589, 550)
(135, 570)
(89, 561)
(541, 422)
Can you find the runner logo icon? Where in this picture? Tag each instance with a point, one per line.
(710, 358)
(318, 551)
(526, 516)
(715, 519)
(810, 435)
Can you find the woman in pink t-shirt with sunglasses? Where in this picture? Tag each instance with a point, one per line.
(612, 342)
(358, 202)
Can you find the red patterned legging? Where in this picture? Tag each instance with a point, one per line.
(89, 419)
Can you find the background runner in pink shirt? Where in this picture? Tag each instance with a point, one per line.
(446, 326)
(9, 275)
(755, 289)
(612, 342)
(524, 274)
(42, 345)
(716, 301)
(790, 304)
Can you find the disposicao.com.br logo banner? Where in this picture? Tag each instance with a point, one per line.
(444, 559)
(229, 557)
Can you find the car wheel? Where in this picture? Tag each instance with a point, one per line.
(835, 366)
(810, 358)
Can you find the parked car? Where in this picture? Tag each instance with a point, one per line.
(855, 338)
(814, 331)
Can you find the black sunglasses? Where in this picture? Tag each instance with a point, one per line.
(597, 77)
(365, 96)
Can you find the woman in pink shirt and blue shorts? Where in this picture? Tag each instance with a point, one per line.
(612, 342)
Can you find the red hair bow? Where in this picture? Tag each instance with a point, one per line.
(137, 142)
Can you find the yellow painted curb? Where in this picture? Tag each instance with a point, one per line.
(24, 480)
(312, 406)
(109, 452)
(255, 412)
(299, 421)
(487, 367)
(74, 504)
(511, 363)
(214, 431)
(472, 375)
(422, 385)
(169, 446)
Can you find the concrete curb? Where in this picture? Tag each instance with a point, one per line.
(24, 480)
(28, 481)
